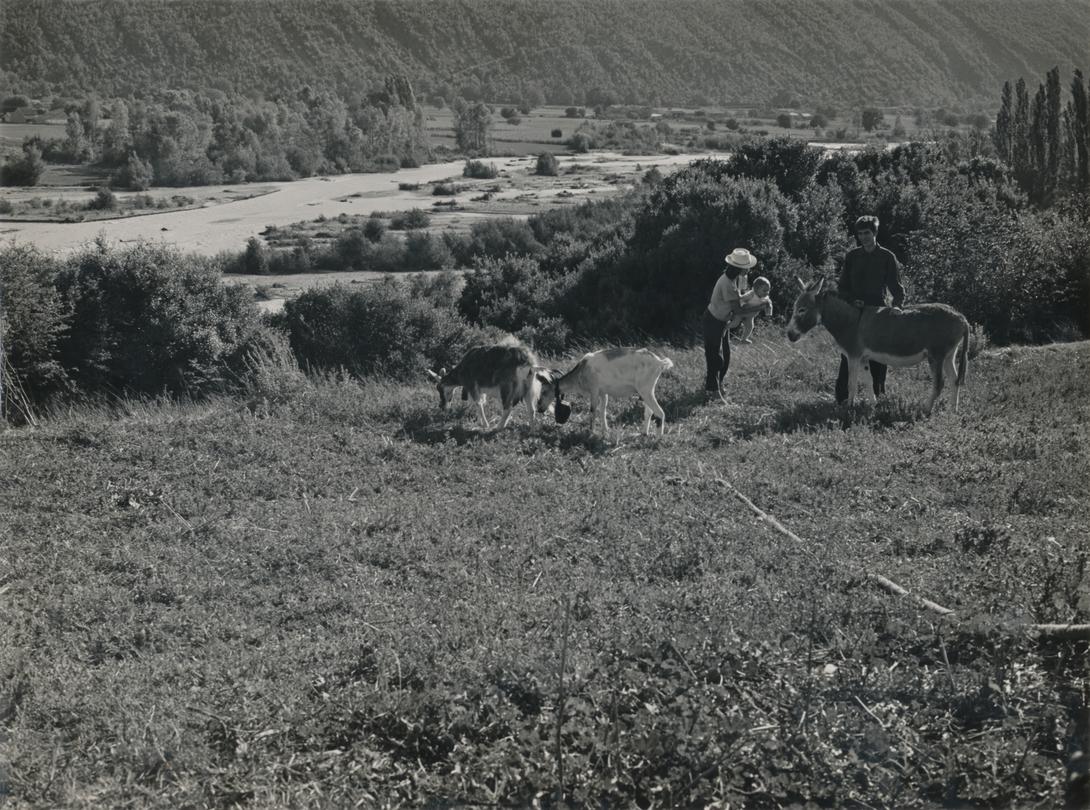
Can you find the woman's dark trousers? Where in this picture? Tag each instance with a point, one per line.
(716, 351)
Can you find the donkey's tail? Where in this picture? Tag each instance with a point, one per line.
(963, 353)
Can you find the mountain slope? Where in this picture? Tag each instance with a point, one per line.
(696, 51)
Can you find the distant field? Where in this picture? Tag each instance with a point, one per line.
(12, 135)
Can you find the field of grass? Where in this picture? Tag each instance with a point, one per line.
(333, 594)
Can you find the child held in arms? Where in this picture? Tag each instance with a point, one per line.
(753, 303)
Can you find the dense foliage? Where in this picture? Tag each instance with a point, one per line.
(386, 330)
(566, 52)
(144, 319)
(957, 220)
(179, 137)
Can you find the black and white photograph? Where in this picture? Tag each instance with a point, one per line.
(556, 404)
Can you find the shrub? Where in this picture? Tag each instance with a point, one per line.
(556, 133)
(137, 174)
(547, 165)
(104, 200)
(479, 170)
(34, 321)
(512, 293)
(789, 162)
(381, 330)
(148, 319)
(409, 220)
(373, 229)
(493, 238)
(6, 207)
(24, 171)
(255, 259)
(425, 252)
(580, 142)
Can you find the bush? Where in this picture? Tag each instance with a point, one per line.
(137, 174)
(580, 142)
(513, 293)
(381, 330)
(148, 319)
(556, 133)
(104, 201)
(479, 170)
(34, 321)
(547, 165)
(373, 229)
(493, 238)
(789, 162)
(255, 259)
(24, 171)
(409, 220)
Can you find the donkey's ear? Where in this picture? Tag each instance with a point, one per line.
(432, 375)
(817, 285)
(802, 284)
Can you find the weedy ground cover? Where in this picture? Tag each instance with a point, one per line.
(330, 593)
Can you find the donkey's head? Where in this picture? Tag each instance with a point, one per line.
(806, 313)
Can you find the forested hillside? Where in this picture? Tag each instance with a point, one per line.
(567, 52)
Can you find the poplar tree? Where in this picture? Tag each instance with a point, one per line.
(1004, 120)
(1021, 159)
(1038, 147)
(1053, 143)
(1078, 116)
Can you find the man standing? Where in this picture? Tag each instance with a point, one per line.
(870, 270)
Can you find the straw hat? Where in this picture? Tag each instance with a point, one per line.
(741, 258)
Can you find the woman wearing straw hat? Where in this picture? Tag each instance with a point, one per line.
(724, 304)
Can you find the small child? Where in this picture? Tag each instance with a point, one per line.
(753, 303)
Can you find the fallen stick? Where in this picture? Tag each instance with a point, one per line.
(1073, 632)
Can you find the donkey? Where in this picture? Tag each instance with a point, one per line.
(935, 332)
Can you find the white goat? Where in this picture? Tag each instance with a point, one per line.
(507, 370)
(617, 373)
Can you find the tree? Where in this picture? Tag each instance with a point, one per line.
(1078, 116)
(472, 126)
(1021, 156)
(24, 171)
(1052, 134)
(75, 138)
(1039, 146)
(1004, 122)
(871, 118)
(547, 165)
(783, 120)
(12, 103)
(819, 121)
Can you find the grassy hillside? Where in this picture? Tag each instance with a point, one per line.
(651, 51)
(339, 594)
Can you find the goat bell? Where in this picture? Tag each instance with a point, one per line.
(562, 412)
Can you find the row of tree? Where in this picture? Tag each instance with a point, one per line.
(180, 137)
(1046, 142)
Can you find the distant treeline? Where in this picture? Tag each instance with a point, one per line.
(182, 138)
(658, 52)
